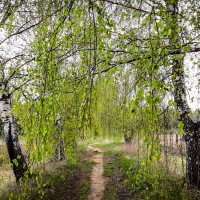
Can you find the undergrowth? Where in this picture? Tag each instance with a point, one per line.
(152, 183)
(59, 181)
(147, 179)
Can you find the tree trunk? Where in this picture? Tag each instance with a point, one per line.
(128, 136)
(193, 157)
(60, 146)
(191, 129)
(13, 147)
(60, 149)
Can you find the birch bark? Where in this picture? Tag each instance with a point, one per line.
(11, 137)
(191, 128)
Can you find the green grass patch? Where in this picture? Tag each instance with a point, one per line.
(63, 178)
(110, 148)
(89, 164)
(151, 182)
(109, 169)
(42, 184)
(107, 145)
(146, 180)
(86, 170)
(85, 190)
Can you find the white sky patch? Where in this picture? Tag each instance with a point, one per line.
(192, 78)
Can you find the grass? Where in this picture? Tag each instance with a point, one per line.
(128, 175)
(85, 182)
(110, 148)
(142, 177)
(106, 139)
(108, 169)
(85, 190)
(114, 188)
(4, 159)
(89, 164)
(61, 178)
(7, 178)
(41, 184)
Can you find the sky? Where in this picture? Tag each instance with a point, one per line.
(192, 70)
(193, 89)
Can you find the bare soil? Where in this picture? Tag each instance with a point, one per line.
(97, 179)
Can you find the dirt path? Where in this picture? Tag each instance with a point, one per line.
(97, 179)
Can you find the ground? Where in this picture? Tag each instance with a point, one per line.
(98, 181)
(103, 171)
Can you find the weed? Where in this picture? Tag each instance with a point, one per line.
(151, 182)
(109, 168)
(89, 164)
(85, 189)
(143, 178)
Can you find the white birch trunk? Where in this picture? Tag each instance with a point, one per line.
(191, 128)
(10, 134)
(60, 148)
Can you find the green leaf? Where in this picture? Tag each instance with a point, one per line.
(141, 92)
(159, 51)
(170, 103)
(15, 162)
(169, 31)
(180, 125)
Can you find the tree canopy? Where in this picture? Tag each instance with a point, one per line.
(76, 69)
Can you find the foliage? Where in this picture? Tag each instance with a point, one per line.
(89, 69)
(147, 182)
